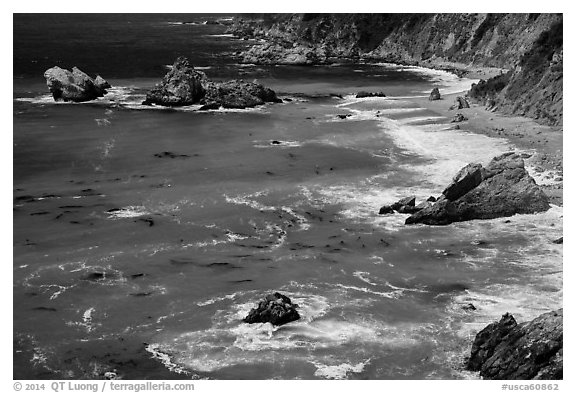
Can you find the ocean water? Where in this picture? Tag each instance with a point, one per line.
(142, 236)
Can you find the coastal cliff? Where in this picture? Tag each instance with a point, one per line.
(528, 46)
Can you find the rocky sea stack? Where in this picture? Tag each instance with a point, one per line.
(275, 308)
(74, 85)
(530, 350)
(502, 189)
(183, 85)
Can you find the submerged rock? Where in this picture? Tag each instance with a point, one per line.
(183, 85)
(531, 350)
(434, 94)
(275, 308)
(74, 85)
(502, 189)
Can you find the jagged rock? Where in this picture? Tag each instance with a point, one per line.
(74, 85)
(431, 199)
(365, 94)
(101, 83)
(465, 180)
(408, 201)
(505, 189)
(434, 94)
(469, 307)
(275, 308)
(459, 117)
(182, 85)
(560, 240)
(460, 103)
(531, 350)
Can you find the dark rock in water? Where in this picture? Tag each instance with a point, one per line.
(182, 85)
(365, 94)
(530, 350)
(469, 307)
(560, 240)
(459, 117)
(74, 85)
(408, 201)
(343, 116)
(505, 189)
(169, 154)
(238, 94)
(386, 210)
(466, 179)
(460, 103)
(434, 94)
(431, 199)
(275, 308)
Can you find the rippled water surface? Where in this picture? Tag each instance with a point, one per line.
(143, 236)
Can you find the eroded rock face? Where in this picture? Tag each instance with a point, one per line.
(505, 189)
(183, 85)
(74, 85)
(275, 308)
(531, 350)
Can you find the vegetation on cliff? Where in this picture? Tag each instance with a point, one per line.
(529, 45)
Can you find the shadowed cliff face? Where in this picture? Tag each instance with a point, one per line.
(530, 45)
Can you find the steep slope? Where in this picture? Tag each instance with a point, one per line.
(528, 44)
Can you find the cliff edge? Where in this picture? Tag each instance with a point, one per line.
(528, 46)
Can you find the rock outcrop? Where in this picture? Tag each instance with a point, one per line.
(74, 85)
(275, 308)
(458, 118)
(237, 94)
(460, 103)
(530, 350)
(183, 85)
(434, 94)
(501, 189)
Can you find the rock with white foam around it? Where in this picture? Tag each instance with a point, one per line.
(74, 85)
(530, 350)
(275, 308)
(501, 189)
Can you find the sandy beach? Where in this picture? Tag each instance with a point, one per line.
(542, 142)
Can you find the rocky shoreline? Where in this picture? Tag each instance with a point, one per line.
(502, 350)
(528, 47)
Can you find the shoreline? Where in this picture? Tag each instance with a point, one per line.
(543, 142)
